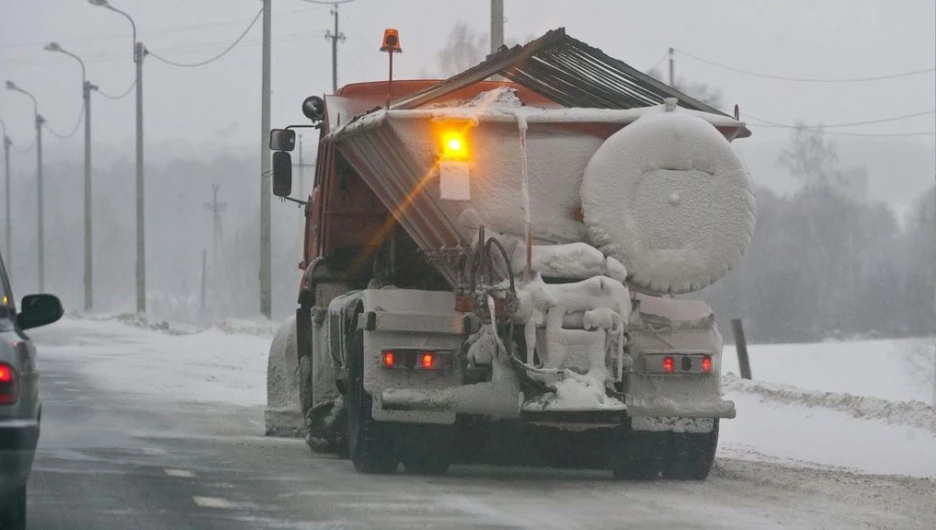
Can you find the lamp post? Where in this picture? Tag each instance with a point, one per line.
(39, 121)
(6, 197)
(86, 88)
(138, 52)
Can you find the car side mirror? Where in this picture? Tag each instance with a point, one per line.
(282, 139)
(282, 174)
(38, 310)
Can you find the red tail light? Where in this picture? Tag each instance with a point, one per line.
(668, 365)
(388, 359)
(707, 364)
(426, 360)
(412, 359)
(9, 387)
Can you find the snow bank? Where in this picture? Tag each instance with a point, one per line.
(259, 326)
(205, 366)
(913, 414)
(809, 434)
(895, 370)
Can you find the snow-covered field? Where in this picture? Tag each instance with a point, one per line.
(843, 404)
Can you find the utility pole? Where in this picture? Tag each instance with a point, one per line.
(217, 240)
(88, 261)
(216, 208)
(86, 88)
(266, 304)
(138, 52)
(8, 249)
(39, 121)
(497, 24)
(335, 37)
(204, 278)
(672, 68)
(934, 293)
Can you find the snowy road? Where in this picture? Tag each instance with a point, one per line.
(153, 452)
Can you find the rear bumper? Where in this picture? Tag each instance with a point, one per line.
(18, 439)
(702, 408)
(505, 400)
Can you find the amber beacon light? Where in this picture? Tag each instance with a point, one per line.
(391, 41)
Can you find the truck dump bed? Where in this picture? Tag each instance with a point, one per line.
(396, 150)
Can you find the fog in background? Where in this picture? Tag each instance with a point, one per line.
(843, 245)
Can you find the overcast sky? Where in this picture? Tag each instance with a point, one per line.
(218, 104)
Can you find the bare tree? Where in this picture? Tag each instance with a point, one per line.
(707, 94)
(464, 49)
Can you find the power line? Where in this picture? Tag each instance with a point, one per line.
(175, 29)
(659, 62)
(73, 132)
(808, 80)
(192, 48)
(216, 57)
(125, 94)
(768, 123)
(843, 133)
(25, 149)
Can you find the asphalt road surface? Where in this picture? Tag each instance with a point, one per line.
(111, 460)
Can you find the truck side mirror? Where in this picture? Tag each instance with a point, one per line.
(282, 174)
(282, 139)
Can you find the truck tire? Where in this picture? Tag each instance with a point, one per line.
(370, 443)
(13, 510)
(637, 455)
(689, 456)
(669, 198)
(428, 449)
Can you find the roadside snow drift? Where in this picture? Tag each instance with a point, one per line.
(170, 362)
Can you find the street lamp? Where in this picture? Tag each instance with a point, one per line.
(86, 88)
(9, 218)
(39, 121)
(138, 52)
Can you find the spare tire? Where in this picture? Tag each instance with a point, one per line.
(669, 198)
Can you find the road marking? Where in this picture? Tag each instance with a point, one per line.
(179, 473)
(211, 502)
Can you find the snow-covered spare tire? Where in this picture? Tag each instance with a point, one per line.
(669, 198)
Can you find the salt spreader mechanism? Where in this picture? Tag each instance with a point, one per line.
(488, 269)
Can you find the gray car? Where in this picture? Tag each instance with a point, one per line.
(20, 408)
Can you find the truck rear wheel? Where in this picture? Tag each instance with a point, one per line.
(689, 456)
(370, 443)
(637, 455)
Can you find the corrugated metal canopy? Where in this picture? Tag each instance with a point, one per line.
(567, 71)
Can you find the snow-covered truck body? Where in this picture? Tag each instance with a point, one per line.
(489, 267)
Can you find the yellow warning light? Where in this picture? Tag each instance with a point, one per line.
(454, 146)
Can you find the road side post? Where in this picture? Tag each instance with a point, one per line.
(741, 346)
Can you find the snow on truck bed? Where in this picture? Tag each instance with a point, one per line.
(847, 404)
